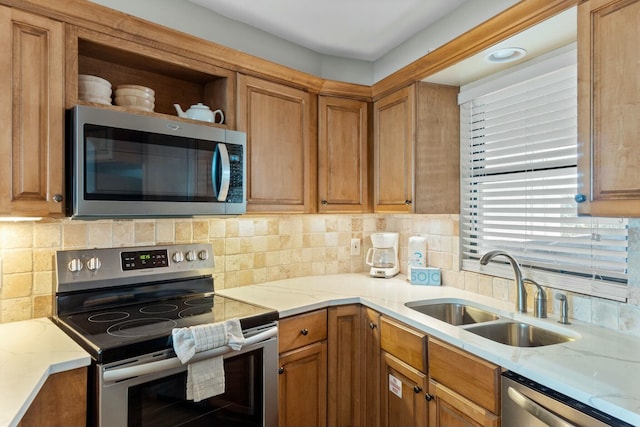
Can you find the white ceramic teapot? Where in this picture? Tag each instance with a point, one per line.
(200, 112)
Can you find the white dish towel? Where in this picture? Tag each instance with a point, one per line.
(205, 378)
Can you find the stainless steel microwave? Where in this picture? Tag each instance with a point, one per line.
(125, 165)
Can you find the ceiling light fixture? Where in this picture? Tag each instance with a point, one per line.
(507, 54)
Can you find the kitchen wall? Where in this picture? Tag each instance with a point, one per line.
(255, 249)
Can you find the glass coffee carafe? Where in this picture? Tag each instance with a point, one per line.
(383, 256)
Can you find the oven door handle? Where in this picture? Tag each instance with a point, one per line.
(118, 374)
(537, 410)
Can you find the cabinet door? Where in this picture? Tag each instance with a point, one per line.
(404, 342)
(393, 139)
(404, 389)
(474, 378)
(302, 386)
(371, 367)
(277, 121)
(344, 374)
(342, 155)
(437, 164)
(449, 409)
(32, 112)
(609, 107)
(62, 401)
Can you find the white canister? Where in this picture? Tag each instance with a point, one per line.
(417, 255)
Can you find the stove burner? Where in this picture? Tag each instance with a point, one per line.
(158, 309)
(112, 316)
(200, 301)
(194, 311)
(141, 327)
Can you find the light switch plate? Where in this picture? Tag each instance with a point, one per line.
(355, 247)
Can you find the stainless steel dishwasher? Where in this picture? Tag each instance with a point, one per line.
(526, 403)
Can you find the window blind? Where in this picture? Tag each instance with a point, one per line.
(519, 179)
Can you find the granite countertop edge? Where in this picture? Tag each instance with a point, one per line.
(31, 351)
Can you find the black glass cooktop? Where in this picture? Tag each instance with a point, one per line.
(131, 330)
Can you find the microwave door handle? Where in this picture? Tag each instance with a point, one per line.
(536, 410)
(119, 374)
(221, 188)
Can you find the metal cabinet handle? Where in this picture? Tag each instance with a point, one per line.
(281, 370)
(407, 202)
(372, 325)
(58, 198)
(428, 396)
(417, 389)
(537, 410)
(304, 332)
(324, 202)
(580, 198)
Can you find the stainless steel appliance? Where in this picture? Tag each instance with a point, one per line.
(121, 305)
(526, 403)
(128, 165)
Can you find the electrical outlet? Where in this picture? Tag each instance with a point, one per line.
(355, 247)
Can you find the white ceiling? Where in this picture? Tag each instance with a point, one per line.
(546, 36)
(356, 29)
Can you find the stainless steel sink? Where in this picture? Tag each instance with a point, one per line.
(518, 334)
(454, 313)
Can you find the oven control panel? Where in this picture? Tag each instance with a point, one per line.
(138, 260)
(89, 268)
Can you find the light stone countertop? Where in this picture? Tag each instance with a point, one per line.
(30, 351)
(600, 368)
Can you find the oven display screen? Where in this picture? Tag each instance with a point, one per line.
(139, 260)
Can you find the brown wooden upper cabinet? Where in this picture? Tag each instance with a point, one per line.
(32, 113)
(342, 155)
(277, 120)
(393, 141)
(417, 150)
(608, 108)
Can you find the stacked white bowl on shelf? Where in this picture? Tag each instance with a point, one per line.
(94, 89)
(135, 97)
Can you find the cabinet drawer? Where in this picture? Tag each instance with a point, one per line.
(468, 375)
(405, 343)
(298, 331)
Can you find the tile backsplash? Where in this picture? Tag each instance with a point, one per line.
(253, 249)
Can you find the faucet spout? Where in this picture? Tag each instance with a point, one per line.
(521, 302)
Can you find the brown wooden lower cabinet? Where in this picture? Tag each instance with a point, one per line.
(449, 409)
(465, 388)
(349, 366)
(403, 402)
(302, 386)
(61, 402)
(370, 367)
(345, 366)
(302, 383)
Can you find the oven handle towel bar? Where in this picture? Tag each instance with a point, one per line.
(118, 374)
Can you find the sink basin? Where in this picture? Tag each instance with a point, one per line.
(519, 334)
(454, 313)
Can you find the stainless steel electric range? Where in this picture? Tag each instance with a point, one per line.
(121, 305)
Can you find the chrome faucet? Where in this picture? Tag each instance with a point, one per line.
(521, 302)
(564, 309)
(540, 307)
